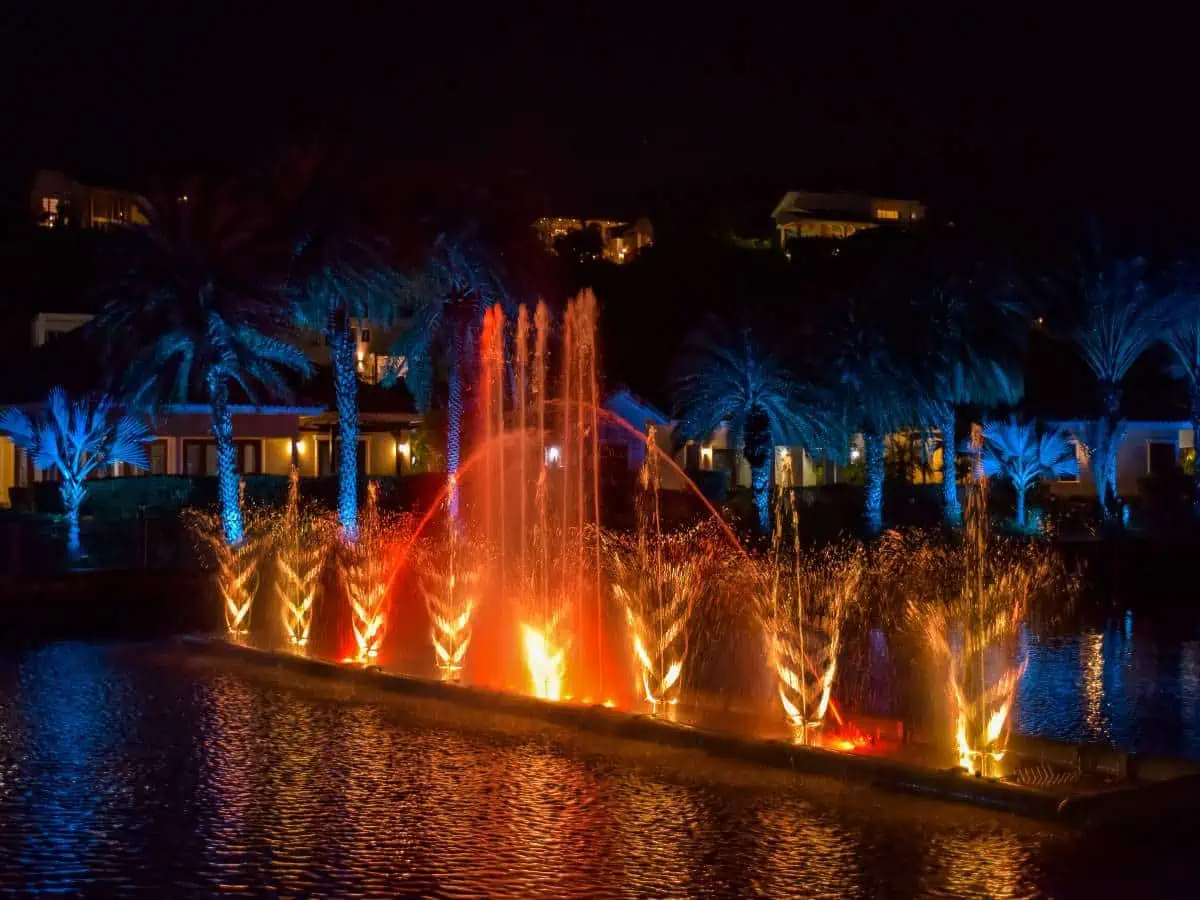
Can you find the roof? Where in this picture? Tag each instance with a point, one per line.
(71, 362)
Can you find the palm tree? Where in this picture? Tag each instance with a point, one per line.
(1121, 316)
(1100, 442)
(973, 359)
(878, 393)
(729, 379)
(339, 274)
(77, 438)
(448, 300)
(195, 310)
(1182, 336)
(1014, 450)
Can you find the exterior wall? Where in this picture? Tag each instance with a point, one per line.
(306, 454)
(277, 456)
(47, 326)
(381, 454)
(7, 469)
(1132, 458)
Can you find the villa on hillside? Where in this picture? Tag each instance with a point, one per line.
(620, 241)
(812, 214)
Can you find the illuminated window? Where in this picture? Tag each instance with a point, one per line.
(50, 205)
(887, 214)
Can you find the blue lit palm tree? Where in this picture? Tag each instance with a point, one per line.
(973, 359)
(1182, 336)
(1121, 316)
(729, 379)
(878, 392)
(339, 274)
(448, 299)
(1015, 451)
(77, 438)
(197, 309)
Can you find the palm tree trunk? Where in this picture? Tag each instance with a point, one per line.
(873, 443)
(1108, 491)
(1196, 451)
(760, 483)
(72, 492)
(1021, 508)
(952, 510)
(228, 494)
(454, 415)
(345, 385)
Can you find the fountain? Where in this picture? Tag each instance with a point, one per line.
(658, 579)
(969, 604)
(368, 566)
(517, 586)
(803, 601)
(300, 545)
(236, 566)
(449, 573)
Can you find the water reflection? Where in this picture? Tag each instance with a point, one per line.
(804, 854)
(1132, 687)
(978, 864)
(185, 777)
(62, 723)
(1092, 678)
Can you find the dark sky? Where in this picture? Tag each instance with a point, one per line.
(615, 103)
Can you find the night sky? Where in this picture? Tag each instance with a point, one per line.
(615, 106)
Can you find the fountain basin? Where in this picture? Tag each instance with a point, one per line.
(1162, 785)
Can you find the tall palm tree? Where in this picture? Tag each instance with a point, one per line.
(1182, 336)
(878, 392)
(448, 299)
(1120, 317)
(339, 274)
(77, 438)
(198, 304)
(1100, 441)
(1014, 450)
(973, 359)
(728, 379)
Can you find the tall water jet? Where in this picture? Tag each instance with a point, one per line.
(970, 603)
(299, 553)
(541, 509)
(803, 601)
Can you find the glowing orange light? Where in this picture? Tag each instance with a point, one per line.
(545, 664)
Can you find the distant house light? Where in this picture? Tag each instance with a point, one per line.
(881, 213)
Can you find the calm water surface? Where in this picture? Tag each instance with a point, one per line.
(143, 770)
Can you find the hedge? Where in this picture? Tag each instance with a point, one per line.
(117, 499)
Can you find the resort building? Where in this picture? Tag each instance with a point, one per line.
(1148, 449)
(57, 200)
(269, 439)
(618, 242)
(810, 214)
